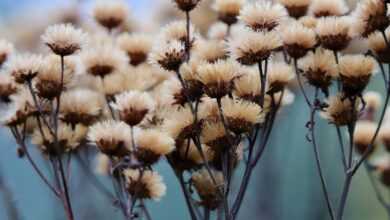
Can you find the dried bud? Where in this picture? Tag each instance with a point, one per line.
(145, 184)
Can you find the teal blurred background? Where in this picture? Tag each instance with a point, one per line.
(286, 185)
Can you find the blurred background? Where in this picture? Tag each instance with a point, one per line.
(286, 185)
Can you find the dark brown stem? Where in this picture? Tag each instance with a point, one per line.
(187, 196)
(311, 125)
(341, 145)
(33, 164)
(300, 82)
(263, 80)
(188, 37)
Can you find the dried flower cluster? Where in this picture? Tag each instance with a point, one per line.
(204, 104)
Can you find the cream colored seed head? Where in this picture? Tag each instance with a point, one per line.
(309, 22)
(68, 137)
(357, 66)
(279, 75)
(81, 106)
(295, 3)
(24, 67)
(208, 190)
(320, 8)
(377, 43)
(168, 56)
(103, 60)
(210, 51)
(179, 120)
(144, 185)
(158, 142)
(218, 78)
(263, 15)
(64, 39)
(298, 39)
(193, 154)
(364, 132)
(110, 14)
(370, 16)
(217, 31)
(251, 47)
(373, 100)
(133, 106)
(137, 47)
(176, 31)
(339, 111)
(228, 10)
(247, 86)
(241, 115)
(111, 137)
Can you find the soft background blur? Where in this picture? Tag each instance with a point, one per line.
(286, 185)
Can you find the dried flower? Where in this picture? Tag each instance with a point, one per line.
(341, 112)
(25, 67)
(263, 16)
(214, 135)
(114, 84)
(320, 8)
(378, 45)
(218, 78)
(111, 137)
(186, 5)
(355, 73)
(21, 108)
(133, 106)
(145, 184)
(241, 115)
(320, 69)
(103, 60)
(247, 86)
(6, 50)
(218, 31)
(253, 47)
(50, 82)
(210, 51)
(363, 136)
(137, 47)
(371, 16)
(208, 191)
(194, 87)
(279, 76)
(110, 14)
(81, 106)
(177, 31)
(334, 33)
(168, 56)
(68, 139)
(372, 103)
(308, 21)
(228, 10)
(64, 39)
(298, 40)
(151, 145)
(296, 8)
(180, 125)
(188, 156)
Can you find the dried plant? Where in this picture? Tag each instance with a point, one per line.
(205, 105)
